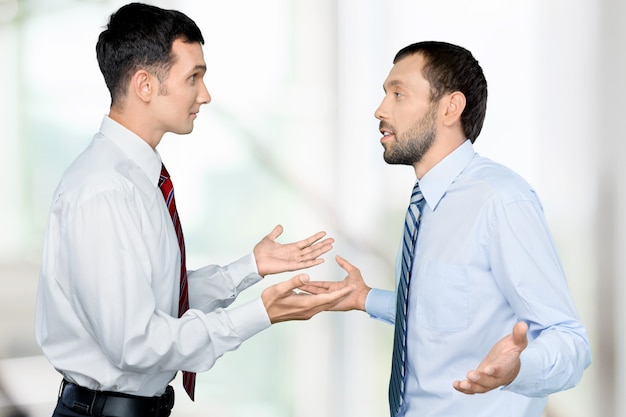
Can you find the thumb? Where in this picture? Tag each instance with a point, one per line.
(294, 282)
(277, 231)
(519, 334)
(347, 266)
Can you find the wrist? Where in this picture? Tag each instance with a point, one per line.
(362, 298)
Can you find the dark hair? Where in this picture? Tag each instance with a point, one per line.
(450, 68)
(140, 36)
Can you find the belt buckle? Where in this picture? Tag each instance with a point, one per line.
(75, 404)
(62, 387)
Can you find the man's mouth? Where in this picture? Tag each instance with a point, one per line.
(385, 129)
(387, 133)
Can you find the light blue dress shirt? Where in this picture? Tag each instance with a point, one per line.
(485, 259)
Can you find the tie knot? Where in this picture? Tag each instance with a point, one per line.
(417, 197)
(164, 175)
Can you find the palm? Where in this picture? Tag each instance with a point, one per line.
(273, 257)
(500, 366)
(355, 300)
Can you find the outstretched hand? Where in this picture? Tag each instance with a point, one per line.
(273, 257)
(355, 300)
(282, 303)
(500, 366)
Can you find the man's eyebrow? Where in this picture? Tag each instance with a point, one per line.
(391, 83)
(197, 68)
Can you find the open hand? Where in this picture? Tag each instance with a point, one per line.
(355, 300)
(273, 257)
(282, 303)
(500, 366)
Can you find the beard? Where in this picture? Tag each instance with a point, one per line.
(410, 146)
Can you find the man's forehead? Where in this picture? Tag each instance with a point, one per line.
(188, 53)
(404, 69)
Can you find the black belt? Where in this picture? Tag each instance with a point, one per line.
(114, 404)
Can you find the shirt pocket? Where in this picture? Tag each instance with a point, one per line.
(441, 295)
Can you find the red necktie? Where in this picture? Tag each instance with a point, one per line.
(165, 183)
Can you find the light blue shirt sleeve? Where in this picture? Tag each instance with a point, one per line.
(381, 305)
(528, 271)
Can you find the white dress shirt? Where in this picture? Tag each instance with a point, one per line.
(484, 260)
(107, 302)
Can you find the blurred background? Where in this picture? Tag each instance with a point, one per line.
(290, 138)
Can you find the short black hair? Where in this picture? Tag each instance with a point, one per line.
(449, 68)
(141, 36)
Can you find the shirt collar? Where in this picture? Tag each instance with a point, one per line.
(437, 180)
(146, 158)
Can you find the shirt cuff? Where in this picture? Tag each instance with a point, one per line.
(249, 318)
(242, 269)
(381, 305)
(530, 379)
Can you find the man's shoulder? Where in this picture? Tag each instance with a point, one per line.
(100, 168)
(501, 180)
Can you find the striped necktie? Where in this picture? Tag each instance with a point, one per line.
(398, 361)
(167, 188)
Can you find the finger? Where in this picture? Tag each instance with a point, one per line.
(317, 249)
(318, 284)
(471, 386)
(327, 297)
(312, 290)
(519, 334)
(291, 284)
(482, 381)
(337, 295)
(317, 289)
(311, 248)
(463, 386)
(305, 264)
(467, 387)
(347, 266)
(276, 231)
(310, 240)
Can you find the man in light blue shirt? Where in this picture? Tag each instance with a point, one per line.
(489, 311)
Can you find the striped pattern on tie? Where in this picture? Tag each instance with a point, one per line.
(398, 361)
(167, 188)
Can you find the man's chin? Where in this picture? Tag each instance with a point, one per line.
(184, 131)
(394, 160)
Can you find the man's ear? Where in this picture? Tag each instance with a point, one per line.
(143, 85)
(453, 106)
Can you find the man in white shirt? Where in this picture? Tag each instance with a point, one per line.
(486, 308)
(110, 314)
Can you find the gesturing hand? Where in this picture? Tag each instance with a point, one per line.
(355, 300)
(500, 366)
(273, 257)
(282, 303)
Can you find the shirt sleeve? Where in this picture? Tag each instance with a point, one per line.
(215, 286)
(528, 271)
(109, 288)
(381, 305)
